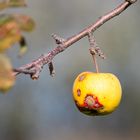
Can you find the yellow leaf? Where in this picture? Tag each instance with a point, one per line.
(16, 3)
(25, 23)
(9, 35)
(3, 5)
(11, 26)
(7, 78)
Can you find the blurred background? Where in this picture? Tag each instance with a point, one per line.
(44, 109)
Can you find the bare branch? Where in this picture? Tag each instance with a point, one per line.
(37, 65)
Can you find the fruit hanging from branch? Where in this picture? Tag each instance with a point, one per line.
(97, 93)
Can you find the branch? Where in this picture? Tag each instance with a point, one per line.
(34, 68)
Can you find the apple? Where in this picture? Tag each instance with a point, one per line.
(97, 93)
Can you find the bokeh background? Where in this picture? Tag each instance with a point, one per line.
(44, 109)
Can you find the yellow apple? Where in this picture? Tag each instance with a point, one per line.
(97, 93)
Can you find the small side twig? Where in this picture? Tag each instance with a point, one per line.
(131, 1)
(93, 51)
(58, 39)
(24, 71)
(51, 69)
(37, 65)
(94, 45)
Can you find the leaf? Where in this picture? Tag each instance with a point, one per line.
(7, 80)
(16, 3)
(25, 23)
(9, 32)
(3, 5)
(12, 3)
(5, 18)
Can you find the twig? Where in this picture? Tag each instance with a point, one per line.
(24, 71)
(58, 39)
(51, 68)
(93, 51)
(62, 44)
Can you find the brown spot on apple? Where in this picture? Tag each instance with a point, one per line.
(82, 77)
(78, 92)
(92, 102)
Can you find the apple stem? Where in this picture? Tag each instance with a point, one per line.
(95, 63)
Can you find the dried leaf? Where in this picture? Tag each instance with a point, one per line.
(12, 3)
(9, 32)
(5, 18)
(16, 3)
(25, 23)
(23, 46)
(7, 79)
(3, 5)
